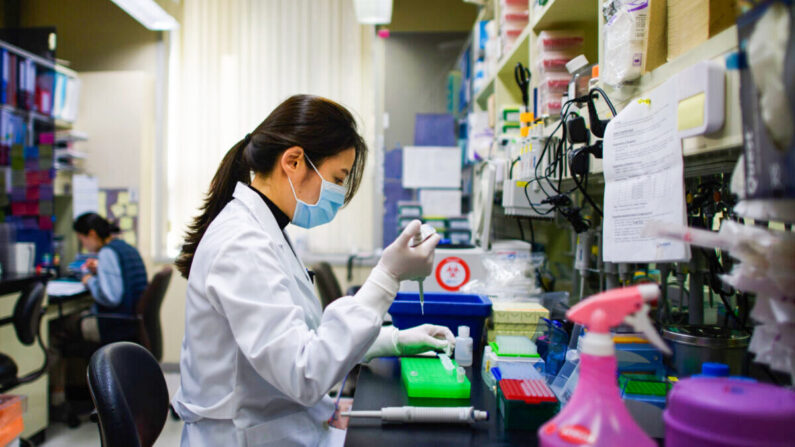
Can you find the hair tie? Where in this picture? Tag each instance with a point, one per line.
(247, 139)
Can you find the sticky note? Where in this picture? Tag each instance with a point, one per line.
(117, 209)
(690, 113)
(132, 209)
(129, 237)
(126, 223)
(102, 204)
(123, 198)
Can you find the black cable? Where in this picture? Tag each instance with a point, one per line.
(513, 163)
(585, 193)
(527, 196)
(532, 234)
(521, 230)
(607, 100)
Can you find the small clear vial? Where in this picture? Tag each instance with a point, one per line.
(463, 347)
(461, 374)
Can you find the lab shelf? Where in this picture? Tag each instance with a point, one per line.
(562, 12)
(519, 53)
(482, 96)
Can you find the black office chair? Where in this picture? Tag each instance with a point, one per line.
(27, 324)
(327, 285)
(129, 393)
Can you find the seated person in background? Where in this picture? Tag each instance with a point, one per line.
(116, 280)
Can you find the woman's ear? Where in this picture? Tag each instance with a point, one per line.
(292, 158)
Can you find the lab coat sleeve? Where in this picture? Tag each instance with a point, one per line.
(248, 284)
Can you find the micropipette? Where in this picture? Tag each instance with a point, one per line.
(434, 415)
(426, 231)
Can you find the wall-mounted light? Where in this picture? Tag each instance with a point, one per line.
(373, 12)
(149, 13)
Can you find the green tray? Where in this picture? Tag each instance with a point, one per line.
(643, 385)
(496, 350)
(426, 377)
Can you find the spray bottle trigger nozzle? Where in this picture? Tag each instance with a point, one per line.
(640, 322)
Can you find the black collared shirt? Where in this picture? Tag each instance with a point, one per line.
(281, 219)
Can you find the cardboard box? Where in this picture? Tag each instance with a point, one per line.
(692, 22)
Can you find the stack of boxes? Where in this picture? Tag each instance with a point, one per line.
(555, 49)
(516, 318)
(514, 17)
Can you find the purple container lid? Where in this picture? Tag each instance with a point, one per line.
(735, 411)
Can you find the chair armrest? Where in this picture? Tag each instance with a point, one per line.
(111, 316)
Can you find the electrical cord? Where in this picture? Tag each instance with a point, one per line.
(607, 100)
(583, 190)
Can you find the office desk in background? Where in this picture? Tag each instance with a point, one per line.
(379, 386)
(67, 296)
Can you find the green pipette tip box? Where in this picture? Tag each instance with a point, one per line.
(495, 348)
(427, 378)
(643, 385)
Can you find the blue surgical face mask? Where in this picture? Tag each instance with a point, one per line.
(331, 198)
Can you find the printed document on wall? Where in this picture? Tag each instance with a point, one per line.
(644, 180)
(85, 195)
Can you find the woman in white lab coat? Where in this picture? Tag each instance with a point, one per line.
(259, 355)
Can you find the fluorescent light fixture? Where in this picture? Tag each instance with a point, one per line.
(373, 12)
(149, 13)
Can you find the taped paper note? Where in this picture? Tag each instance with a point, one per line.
(644, 180)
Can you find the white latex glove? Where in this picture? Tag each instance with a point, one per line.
(425, 338)
(403, 261)
(392, 342)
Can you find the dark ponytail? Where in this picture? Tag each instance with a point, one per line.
(322, 128)
(93, 221)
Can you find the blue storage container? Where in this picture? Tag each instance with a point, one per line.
(445, 309)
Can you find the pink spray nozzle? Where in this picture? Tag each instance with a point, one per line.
(608, 309)
(628, 305)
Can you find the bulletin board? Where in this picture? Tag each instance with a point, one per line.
(120, 206)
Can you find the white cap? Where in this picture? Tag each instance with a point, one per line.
(463, 331)
(576, 63)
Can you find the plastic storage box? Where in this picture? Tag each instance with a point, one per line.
(427, 378)
(11, 424)
(445, 309)
(525, 404)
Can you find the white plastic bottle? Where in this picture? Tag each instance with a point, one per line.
(463, 347)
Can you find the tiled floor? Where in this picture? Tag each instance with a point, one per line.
(59, 435)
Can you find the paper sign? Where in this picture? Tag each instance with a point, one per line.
(644, 180)
(85, 195)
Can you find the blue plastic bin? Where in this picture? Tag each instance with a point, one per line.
(445, 309)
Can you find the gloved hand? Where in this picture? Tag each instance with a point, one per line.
(425, 338)
(428, 337)
(403, 261)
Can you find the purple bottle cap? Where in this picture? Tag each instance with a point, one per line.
(723, 411)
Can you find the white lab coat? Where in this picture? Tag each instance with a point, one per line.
(259, 355)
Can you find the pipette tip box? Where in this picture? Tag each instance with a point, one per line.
(428, 378)
(525, 404)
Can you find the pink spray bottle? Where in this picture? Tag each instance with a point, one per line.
(595, 415)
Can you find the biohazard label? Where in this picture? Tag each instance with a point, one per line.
(452, 273)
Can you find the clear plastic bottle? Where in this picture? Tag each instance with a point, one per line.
(463, 347)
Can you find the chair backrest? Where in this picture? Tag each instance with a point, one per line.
(327, 286)
(149, 311)
(129, 393)
(27, 313)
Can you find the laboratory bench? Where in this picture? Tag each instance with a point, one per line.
(379, 385)
(15, 283)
